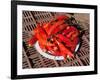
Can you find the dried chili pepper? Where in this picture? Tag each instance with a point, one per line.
(75, 42)
(32, 41)
(65, 40)
(59, 28)
(54, 26)
(42, 46)
(69, 29)
(47, 26)
(52, 51)
(64, 51)
(42, 31)
(74, 35)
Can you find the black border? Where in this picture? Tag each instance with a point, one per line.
(14, 39)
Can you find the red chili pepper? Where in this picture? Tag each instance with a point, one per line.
(32, 41)
(47, 26)
(41, 39)
(69, 29)
(74, 35)
(41, 35)
(75, 42)
(49, 48)
(36, 30)
(34, 38)
(64, 51)
(59, 28)
(53, 50)
(43, 47)
(42, 31)
(65, 40)
(55, 26)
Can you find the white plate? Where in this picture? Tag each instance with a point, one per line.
(46, 54)
(49, 55)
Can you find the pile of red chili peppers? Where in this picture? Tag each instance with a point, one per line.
(56, 37)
